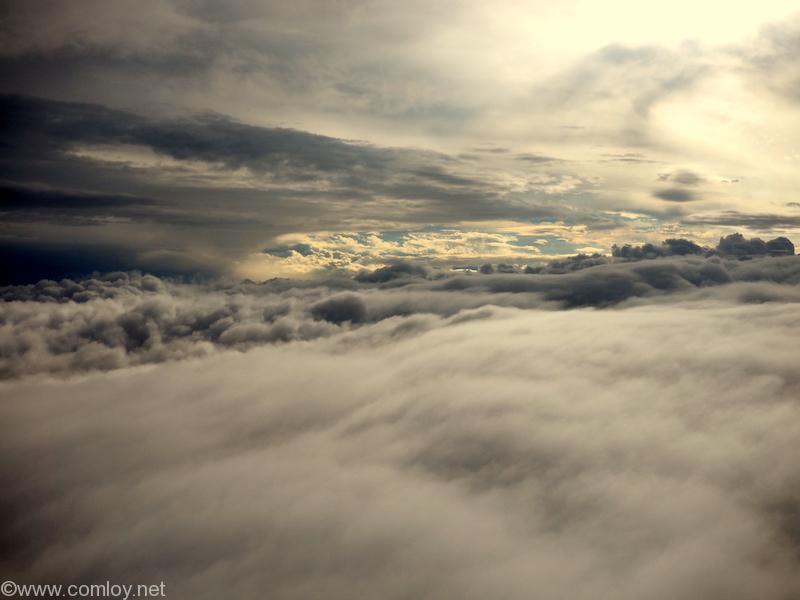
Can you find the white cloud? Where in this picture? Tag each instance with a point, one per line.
(639, 453)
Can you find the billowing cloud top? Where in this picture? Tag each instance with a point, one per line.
(411, 431)
(121, 319)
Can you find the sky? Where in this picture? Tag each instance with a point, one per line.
(255, 139)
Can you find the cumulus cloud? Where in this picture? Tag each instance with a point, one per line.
(125, 319)
(410, 430)
(733, 245)
(636, 453)
(346, 308)
(391, 272)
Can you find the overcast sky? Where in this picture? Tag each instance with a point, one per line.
(255, 138)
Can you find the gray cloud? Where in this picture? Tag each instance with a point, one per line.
(684, 177)
(35, 126)
(639, 62)
(305, 56)
(536, 158)
(488, 150)
(733, 245)
(675, 195)
(733, 218)
(398, 270)
(628, 157)
(345, 308)
(624, 83)
(255, 183)
(122, 319)
(670, 247)
(770, 60)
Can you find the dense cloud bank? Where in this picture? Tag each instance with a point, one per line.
(638, 454)
(733, 245)
(123, 319)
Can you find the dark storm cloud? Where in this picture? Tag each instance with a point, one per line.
(675, 195)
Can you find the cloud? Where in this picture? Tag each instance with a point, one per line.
(734, 218)
(391, 272)
(491, 150)
(631, 98)
(628, 157)
(346, 308)
(579, 454)
(535, 158)
(684, 177)
(670, 247)
(124, 319)
(733, 245)
(675, 195)
(208, 186)
(35, 125)
(769, 57)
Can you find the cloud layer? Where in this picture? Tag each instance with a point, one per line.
(645, 452)
(123, 319)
